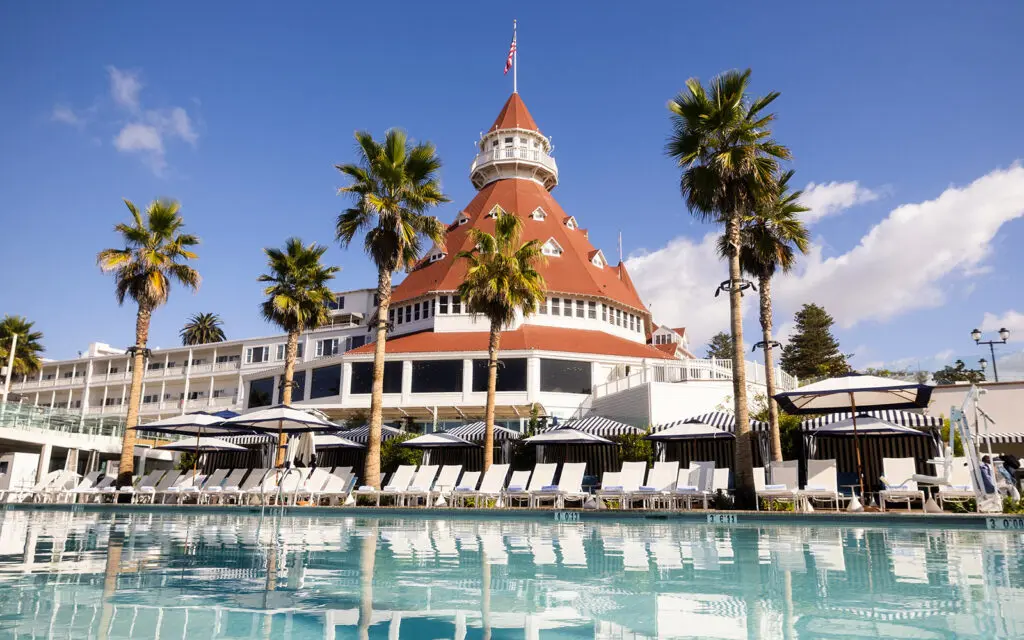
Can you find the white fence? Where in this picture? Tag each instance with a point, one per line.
(690, 370)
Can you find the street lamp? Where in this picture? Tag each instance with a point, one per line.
(983, 363)
(1004, 334)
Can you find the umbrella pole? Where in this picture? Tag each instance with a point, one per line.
(195, 460)
(856, 442)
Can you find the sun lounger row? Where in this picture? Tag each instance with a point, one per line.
(666, 486)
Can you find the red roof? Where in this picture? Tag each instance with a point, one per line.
(680, 330)
(669, 348)
(526, 338)
(514, 115)
(570, 273)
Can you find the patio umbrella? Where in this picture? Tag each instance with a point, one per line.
(850, 393)
(566, 435)
(197, 424)
(688, 430)
(302, 448)
(281, 419)
(866, 425)
(437, 440)
(200, 445)
(334, 441)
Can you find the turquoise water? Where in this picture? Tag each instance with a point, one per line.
(174, 575)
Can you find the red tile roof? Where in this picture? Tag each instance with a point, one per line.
(514, 115)
(570, 273)
(526, 338)
(669, 348)
(680, 330)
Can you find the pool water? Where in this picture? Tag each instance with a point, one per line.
(221, 575)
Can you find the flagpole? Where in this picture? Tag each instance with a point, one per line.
(515, 61)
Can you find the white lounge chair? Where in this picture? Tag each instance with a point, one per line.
(694, 484)
(68, 494)
(467, 483)
(420, 486)
(245, 489)
(897, 474)
(148, 480)
(822, 483)
(313, 484)
(93, 492)
(720, 482)
(630, 479)
(492, 486)
(54, 484)
(335, 489)
(446, 482)
(961, 484)
(398, 482)
(570, 487)
(290, 482)
(230, 484)
(785, 483)
(187, 484)
(657, 491)
(266, 487)
(543, 476)
(148, 494)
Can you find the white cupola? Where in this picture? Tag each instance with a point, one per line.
(514, 148)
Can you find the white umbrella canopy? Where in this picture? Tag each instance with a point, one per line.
(193, 424)
(689, 431)
(280, 419)
(334, 441)
(566, 435)
(853, 392)
(866, 425)
(302, 448)
(437, 440)
(200, 445)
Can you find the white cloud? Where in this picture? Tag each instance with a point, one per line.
(67, 115)
(1012, 320)
(902, 264)
(124, 88)
(146, 139)
(832, 197)
(1011, 366)
(173, 122)
(944, 355)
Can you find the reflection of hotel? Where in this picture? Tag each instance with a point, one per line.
(591, 346)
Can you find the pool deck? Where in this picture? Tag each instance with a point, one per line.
(1010, 522)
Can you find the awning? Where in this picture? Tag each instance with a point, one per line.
(866, 426)
(437, 440)
(720, 419)
(598, 426)
(362, 434)
(474, 432)
(1009, 437)
(687, 431)
(895, 416)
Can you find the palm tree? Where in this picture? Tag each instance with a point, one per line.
(297, 299)
(393, 184)
(771, 237)
(501, 282)
(28, 348)
(729, 162)
(202, 328)
(154, 255)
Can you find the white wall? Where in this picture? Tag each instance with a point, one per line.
(1002, 401)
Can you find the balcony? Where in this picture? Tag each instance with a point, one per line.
(511, 162)
(693, 370)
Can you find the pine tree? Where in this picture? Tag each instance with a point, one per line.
(958, 372)
(812, 350)
(720, 346)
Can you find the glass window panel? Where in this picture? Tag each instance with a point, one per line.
(408, 313)
(444, 305)
(298, 388)
(592, 310)
(261, 393)
(555, 305)
(436, 376)
(542, 308)
(579, 309)
(456, 304)
(565, 376)
(362, 377)
(416, 311)
(326, 382)
(511, 374)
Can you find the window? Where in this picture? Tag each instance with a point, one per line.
(400, 315)
(391, 316)
(195, 395)
(494, 143)
(340, 302)
(618, 317)
(579, 309)
(567, 308)
(77, 404)
(114, 369)
(495, 211)
(327, 347)
(542, 308)
(261, 392)
(632, 323)
(456, 304)
(172, 364)
(437, 376)
(225, 359)
(565, 376)
(511, 375)
(408, 313)
(79, 374)
(219, 393)
(256, 355)
(555, 302)
(570, 222)
(426, 308)
(362, 377)
(463, 219)
(551, 248)
(326, 382)
(356, 341)
(298, 386)
(598, 260)
(437, 255)
(153, 366)
(112, 402)
(604, 312)
(508, 142)
(416, 311)
(68, 373)
(592, 310)
(443, 309)
(281, 351)
(538, 214)
(147, 399)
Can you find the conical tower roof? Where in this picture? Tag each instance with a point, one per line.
(514, 115)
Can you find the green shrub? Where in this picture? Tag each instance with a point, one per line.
(1013, 506)
(186, 461)
(393, 456)
(634, 448)
(958, 447)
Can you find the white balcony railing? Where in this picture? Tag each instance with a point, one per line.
(523, 154)
(691, 370)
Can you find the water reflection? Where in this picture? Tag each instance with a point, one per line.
(235, 576)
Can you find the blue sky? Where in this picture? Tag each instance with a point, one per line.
(906, 116)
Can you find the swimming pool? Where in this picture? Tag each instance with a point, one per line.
(237, 575)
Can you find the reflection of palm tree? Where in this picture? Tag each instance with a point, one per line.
(788, 630)
(110, 572)
(485, 595)
(367, 559)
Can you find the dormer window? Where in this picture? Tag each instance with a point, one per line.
(495, 211)
(462, 219)
(571, 222)
(437, 255)
(539, 214)
(597, 259)
(551, 248)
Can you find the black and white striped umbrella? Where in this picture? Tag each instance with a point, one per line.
(895, 416)
(718, 419)
(1010, 437)
(598, 426)
(362, 434)
(474, 432)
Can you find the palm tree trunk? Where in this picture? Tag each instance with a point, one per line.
(127, 466)
(744, 466)
(291, 349)
(492, 383)
(769, 366)
(367, 561)
(371, 470)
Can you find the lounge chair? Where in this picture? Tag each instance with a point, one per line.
(420, 486)
(336, 489)
(543, 476)
(148, 494)
(822, 483)
(961, 485)
(55, 483)
(467, 483)
(314, 483)
(897, 474)
(245, 489)
(290, 482)
(694, 484)
(630, 479)
(68, 493)
(492, 486)
(656, 492)
(446, 482)
(398, 482)
(187, 484)
(229, 484)
(721, 482)
(89, 493)
(148, 480)
(785, 483)
(570, 487)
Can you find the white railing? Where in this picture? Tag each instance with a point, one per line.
(536, 156)
(691, 370)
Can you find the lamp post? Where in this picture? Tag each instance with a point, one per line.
(1004, 334)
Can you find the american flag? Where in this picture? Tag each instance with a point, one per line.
(511, 52)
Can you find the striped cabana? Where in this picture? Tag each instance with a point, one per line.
(895, 416)
(362, 434)
(1010, 437)
(598, 426)
(721, 450)
(599, 457)
(474, 432)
